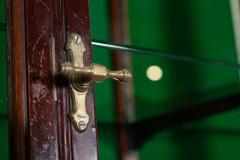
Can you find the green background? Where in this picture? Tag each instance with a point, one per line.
(199, 28)
(3, 86)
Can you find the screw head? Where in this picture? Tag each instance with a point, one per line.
(77, 39)
(82, 125)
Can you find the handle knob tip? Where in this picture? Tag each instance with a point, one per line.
(127, 76)
(122, 76)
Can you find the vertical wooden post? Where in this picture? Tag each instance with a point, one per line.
(17, 81)
(124, 94)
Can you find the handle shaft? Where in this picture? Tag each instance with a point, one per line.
(94, 72)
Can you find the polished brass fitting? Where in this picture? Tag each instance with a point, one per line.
(94, 72)
(81, 76)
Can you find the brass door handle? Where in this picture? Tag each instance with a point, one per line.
(94, 72)
(81, 76)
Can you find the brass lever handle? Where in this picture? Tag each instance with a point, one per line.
(94, 72)
(81, 76)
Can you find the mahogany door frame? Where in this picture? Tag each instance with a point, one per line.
(38, 104)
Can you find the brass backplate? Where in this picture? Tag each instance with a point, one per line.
(79, 116)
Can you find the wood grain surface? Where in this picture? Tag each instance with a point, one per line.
(38, 101)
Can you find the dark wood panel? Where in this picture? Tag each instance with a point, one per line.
(84, 145)
(42, 107)
(38, 106)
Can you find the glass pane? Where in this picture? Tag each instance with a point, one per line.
(197, 28)
(183, 110)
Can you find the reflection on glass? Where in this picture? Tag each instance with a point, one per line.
(154, 73)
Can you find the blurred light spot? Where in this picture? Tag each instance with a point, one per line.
(154, 73)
